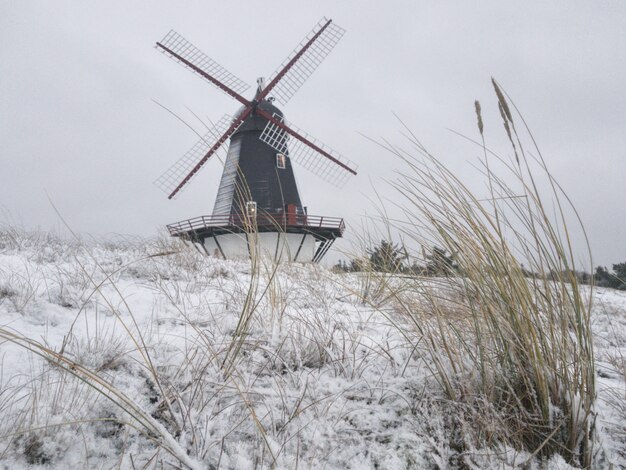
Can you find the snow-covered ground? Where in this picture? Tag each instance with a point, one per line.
(320, 380)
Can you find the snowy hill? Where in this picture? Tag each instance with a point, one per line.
(143, 354)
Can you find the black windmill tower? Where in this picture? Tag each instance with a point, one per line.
(258, 209)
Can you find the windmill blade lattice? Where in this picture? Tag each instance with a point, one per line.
(171, 178)
(180, 46)
(308, 62)
(305, 155)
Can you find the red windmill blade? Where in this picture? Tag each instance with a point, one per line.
(188, 55)
(303, 61)
(182, 170)
(289, 78)
(304, 150)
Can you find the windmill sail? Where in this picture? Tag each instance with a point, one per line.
(309, 60)
(306, 155)
(172, 177)
(178, 45)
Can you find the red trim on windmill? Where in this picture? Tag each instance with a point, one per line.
(317, 46)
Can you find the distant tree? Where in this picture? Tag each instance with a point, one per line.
(620, 273)
(387, 257)
(620, 270)
(440, 263)
(416, 269)
(616, 279)
(341, 267)
(601, 277)
(583, 277)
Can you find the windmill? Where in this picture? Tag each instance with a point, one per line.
(258, 206)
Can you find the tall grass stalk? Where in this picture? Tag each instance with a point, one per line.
(508, 330)
(140, 420)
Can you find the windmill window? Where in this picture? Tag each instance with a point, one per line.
(281, 161)
(251, 208)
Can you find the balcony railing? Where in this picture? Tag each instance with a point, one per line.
(262, 221)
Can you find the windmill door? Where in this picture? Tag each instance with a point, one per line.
(291, 214)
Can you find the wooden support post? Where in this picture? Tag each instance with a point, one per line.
(219, 247)
(295, 258)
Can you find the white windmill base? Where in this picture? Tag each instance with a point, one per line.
(280, 237)
(275, 246)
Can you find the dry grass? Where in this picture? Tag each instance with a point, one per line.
(513, 353)
(256, 336)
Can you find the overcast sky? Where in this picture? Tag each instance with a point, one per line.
(79, 79)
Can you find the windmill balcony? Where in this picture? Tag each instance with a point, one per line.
(293, 237)
(210, 225)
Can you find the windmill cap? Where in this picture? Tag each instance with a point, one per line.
(254, 122)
